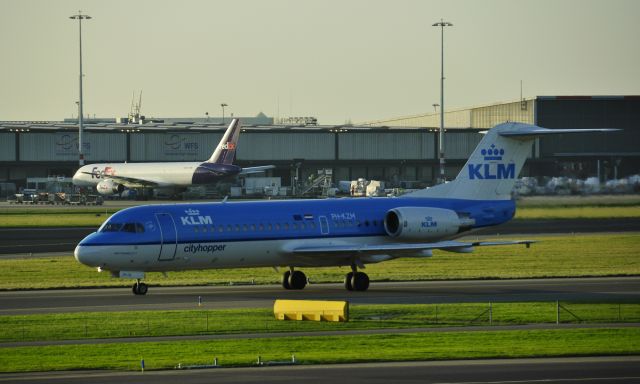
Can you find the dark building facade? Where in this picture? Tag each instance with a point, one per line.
(395, 154)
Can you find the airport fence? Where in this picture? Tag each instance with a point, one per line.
(195, 322)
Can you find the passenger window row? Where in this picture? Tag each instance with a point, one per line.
(280, 226)
(139, 228)
(253, 227)
(354, 223)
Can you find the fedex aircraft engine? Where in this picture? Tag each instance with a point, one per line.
(420, 223)
(109, 187)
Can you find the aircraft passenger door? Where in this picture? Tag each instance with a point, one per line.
(168, 235)
(324, 225)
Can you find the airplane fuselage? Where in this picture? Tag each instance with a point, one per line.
(114, 178)
(178, 174)
(259, 234)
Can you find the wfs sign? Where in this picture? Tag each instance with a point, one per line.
(175, 144)
(492, 168)
(67, 144)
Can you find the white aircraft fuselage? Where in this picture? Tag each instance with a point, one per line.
(114, 178)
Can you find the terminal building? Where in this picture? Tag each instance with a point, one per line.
(400, 151)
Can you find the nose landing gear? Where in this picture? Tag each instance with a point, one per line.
(140, 288)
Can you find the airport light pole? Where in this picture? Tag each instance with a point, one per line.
(441, 24)
(223, 105)
(80, 17)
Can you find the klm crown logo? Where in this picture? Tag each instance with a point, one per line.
(429, 222)
(193, 218)
(492, 153)
(492, 168)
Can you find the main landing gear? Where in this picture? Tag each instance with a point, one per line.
(356, 281)
(353, 281)
(293, 279)
(140, 288)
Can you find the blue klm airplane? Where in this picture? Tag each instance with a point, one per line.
(315, 233)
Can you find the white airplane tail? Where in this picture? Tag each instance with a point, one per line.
(225, 152)
(492, 169)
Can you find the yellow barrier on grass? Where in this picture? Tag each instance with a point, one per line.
(311, 310)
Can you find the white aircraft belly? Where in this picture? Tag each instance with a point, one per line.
(163, 174)
(146, 258)
(160, 173)
(232, 254)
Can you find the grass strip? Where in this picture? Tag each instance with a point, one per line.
(326, 349)
(579, 200)
(578, 212)
(552, 256)
(52, 220)
(196, 322)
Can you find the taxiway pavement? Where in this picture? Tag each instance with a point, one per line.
(593, 370)
(261, 296)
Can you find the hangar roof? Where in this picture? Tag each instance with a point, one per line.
(46, 126)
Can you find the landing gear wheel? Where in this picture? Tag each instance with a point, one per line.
(285, 280)
(347, 281)
(297, 280)
(140, 288)
(360, 281)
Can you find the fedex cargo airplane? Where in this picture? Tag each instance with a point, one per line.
(313, 233)
(113, 178)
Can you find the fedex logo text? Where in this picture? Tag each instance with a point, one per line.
(97, 173)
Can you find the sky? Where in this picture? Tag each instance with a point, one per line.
(337, 60)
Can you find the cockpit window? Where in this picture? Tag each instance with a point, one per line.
(126, 227)
(133, 227)
(111, 227)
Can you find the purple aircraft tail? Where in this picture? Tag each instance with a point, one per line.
(225, 152)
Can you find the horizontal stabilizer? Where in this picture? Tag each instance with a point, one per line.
(491, 171)
(258, 169)
(533, 131)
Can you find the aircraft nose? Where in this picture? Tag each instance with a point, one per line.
(84, 255)
(76, 177)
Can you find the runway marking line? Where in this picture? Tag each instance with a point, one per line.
(605, 379)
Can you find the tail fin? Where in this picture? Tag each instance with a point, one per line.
(492, 169)
(225, 152)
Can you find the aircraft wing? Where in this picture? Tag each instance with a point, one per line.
(401, 249)
(262, 168)
(129, 182)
